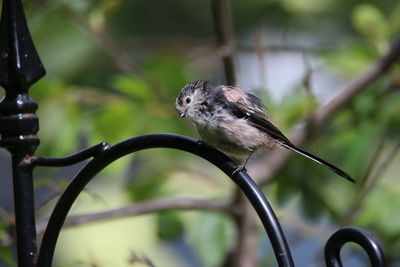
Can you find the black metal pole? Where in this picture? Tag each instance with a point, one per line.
(20, 67)
(24, 211)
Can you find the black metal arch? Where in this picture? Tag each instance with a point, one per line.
(104, 154)
(160, 140)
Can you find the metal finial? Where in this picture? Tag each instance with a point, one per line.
(20, 65)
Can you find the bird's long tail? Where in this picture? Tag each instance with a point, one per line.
(319, 160)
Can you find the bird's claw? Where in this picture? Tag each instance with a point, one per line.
(239, 168)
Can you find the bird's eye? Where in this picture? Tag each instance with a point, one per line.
(187, 100)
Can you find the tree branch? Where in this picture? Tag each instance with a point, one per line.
(146, 207)
(224, 32)
(369, 184)
(244, 254)
(348, 92)
(261, 52)
(266, 167)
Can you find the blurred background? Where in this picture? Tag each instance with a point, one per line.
(114, 69)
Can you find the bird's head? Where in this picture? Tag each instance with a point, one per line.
(190, 97)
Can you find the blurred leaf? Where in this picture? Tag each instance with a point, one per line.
(60, 125)
(6, 252)
(147, 184)
(364, 105)
(107, 124)
(307, 178)
(295, 106)
(312, 204)
(48, 88)
(108, 6)
(78, 5)
(306, 6)
(78, 51)
(133, 87)
(348, 149)
(394, 20)
(6, 256)
(170, 225)
(350, 59)
(378, 210)
(169, 69)
(370, 21)
(388, 114)
(96, 20)
(213, 238)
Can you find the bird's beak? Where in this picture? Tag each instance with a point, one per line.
(183, 114)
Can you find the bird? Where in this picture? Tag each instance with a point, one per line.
(235, 122)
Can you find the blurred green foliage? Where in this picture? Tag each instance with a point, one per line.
(214, 238)
(114, 69)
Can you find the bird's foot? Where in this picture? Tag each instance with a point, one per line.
(241, 167)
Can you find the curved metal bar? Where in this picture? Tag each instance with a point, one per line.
(184, 143)
(70, 160)
(356, 235)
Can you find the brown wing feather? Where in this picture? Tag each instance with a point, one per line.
(248, 105)
(259, 119)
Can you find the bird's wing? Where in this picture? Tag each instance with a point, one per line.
(246, 105)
